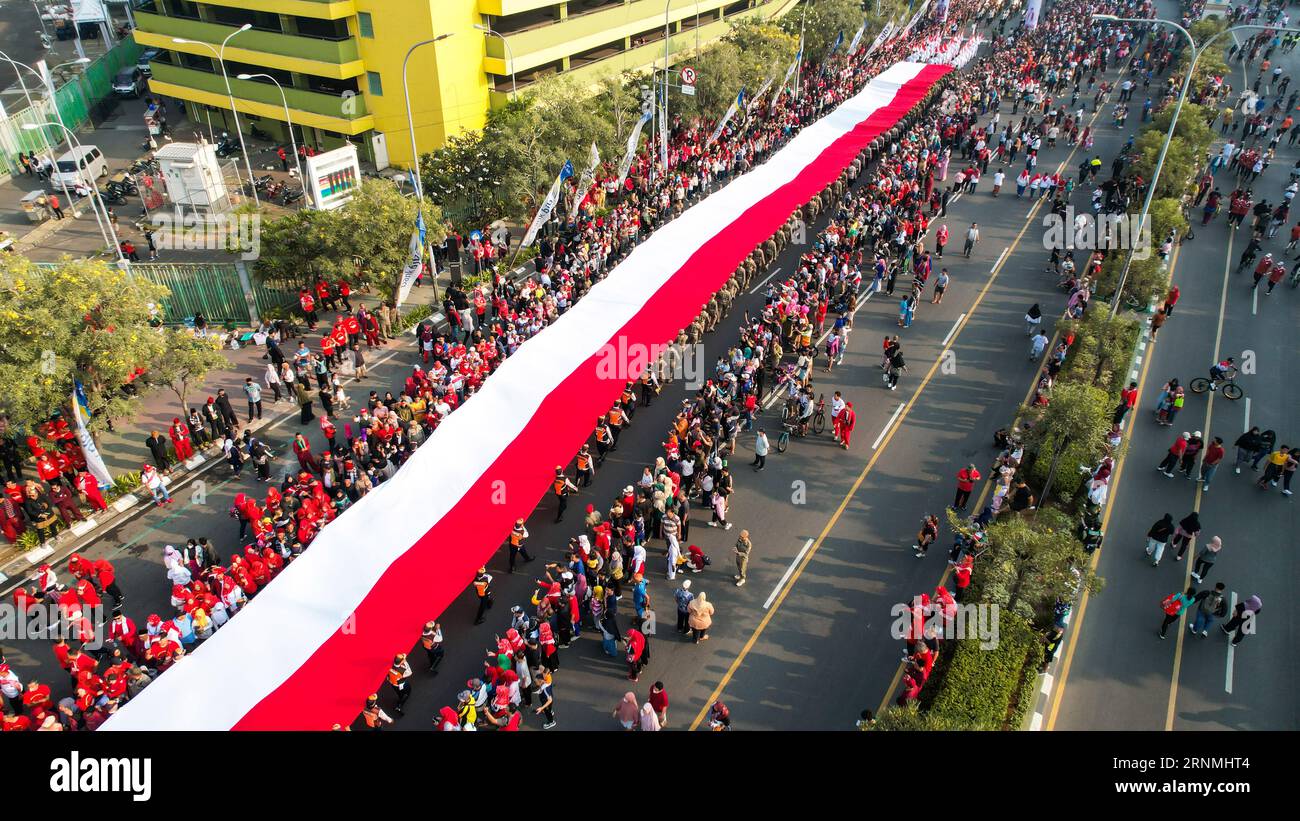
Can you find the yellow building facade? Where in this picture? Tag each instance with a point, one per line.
(339, 62)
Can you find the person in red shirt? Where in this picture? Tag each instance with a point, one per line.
(1174, 456)
(845, 422)
(966, 479)
(15, 723)
(1171, 300)
(659, 702)
(37, 697)
(308, 304)
(1127, 400)
(180, 436)
(88, 486)
(106, 576)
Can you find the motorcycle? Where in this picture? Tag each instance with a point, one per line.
(226, 147)
(291, 195)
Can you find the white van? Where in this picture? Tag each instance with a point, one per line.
(86, 163)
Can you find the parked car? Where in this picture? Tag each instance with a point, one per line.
(130, 82)
(85, 163)
(145, 57)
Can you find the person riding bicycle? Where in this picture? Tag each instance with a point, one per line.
(1221, 371)
(806, 408)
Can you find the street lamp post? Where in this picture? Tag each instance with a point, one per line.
(1197, 51)
(293, 141)
(58, 116)
(94, 195)
(220, 54)
(410, 127)
(514, 91)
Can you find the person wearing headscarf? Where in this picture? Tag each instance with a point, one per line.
(649, 719)
(447, 720)
(701, 617)
(626, 711)
(550, 654)
(177, 572)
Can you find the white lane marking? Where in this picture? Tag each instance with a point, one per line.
(1246, 425)
(888, 425)
(759, 286)
(785, 578)
(1227, 676)
(953, 329)
(1254, 301)
(1001, 256)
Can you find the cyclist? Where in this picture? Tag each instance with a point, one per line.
(1221, 371)
(805, 411)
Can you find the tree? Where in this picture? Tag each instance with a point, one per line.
(823, 21)
(1070, 430)
(184, 363)
(366, 241)
(79, 321)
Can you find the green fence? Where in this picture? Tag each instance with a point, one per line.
(218, 290)
(77, 100)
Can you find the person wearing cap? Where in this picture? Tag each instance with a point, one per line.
(518, 535)
(373, 715)
(399, 675)
(1174, 455)
(1188, 461)
(562, 487)
(482, 589)
(431, 641)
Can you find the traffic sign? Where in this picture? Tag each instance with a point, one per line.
(688, 91)
(688, 76)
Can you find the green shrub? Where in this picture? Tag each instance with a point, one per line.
(979, 688)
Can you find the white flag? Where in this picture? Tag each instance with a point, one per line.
(94, 462)
(626, 165)
(414, 260)
(548, 205)
(857, 38)
(731, 111)
(753, 101)
(663, 129)
(789, 72)
(584, 182)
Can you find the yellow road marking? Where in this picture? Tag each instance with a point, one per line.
(1196, 504)
(762, 625)
(1063, 675)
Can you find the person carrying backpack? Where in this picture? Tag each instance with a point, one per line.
(1174, 605)
(1210, 605)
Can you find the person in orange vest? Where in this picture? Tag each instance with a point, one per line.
(308, 304)
(966, 479)
(586, 472)
(518, 535)
(562, 487)
(374, 717)
(483, 590)
(604, 438)
(617, 421)
(399, 676)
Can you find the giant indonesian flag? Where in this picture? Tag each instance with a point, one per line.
(306, 652)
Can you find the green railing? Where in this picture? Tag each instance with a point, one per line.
(218, 290)
(329, 105)
(77, 101)
(270, 42)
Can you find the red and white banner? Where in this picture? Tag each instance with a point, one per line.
(306, 652)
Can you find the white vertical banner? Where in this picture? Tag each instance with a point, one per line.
(663, 127)
(1032, 10)
(789, 72)
(726, 118)
(548, 205)
(857, 38)
(414, 260)
(941, 10)
(94, 462)
(881, 37)
(584, 182)
(753, 101)
(626, 165)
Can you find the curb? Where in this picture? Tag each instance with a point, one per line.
(82, 534)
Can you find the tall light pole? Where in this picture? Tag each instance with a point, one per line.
(1197, 51)
(798, 64)
(293, 141)
(410, 119)
(410, 127)
(94, 196)
(663, 129)
(514, 91)
(220, 54)
(49, 151)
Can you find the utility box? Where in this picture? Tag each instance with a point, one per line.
(193, 176)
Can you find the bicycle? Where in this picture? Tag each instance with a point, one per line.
(783, 441)
(819, 415)
(1226, 384)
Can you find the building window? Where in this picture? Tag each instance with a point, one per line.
(376, 84)
(365, 24)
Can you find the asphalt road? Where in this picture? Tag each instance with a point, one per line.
(832, 529)
(1120, 674)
